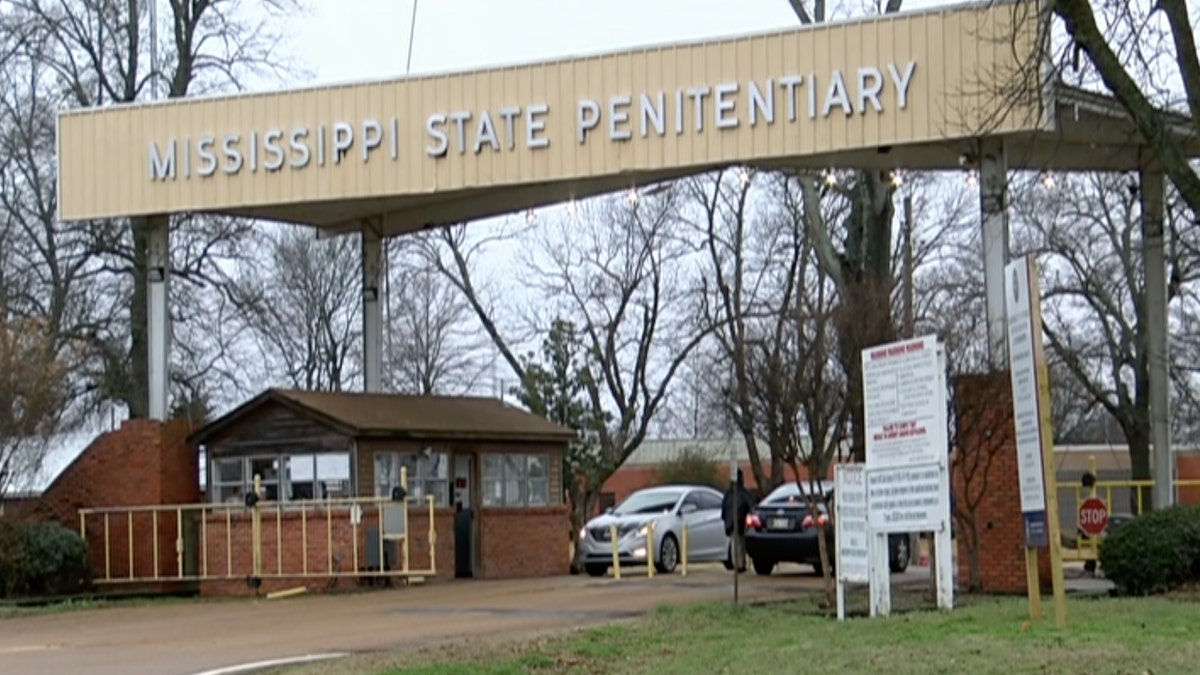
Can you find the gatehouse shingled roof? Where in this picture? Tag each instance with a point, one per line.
(402, 416)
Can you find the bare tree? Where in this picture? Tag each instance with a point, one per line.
(1145, 54)
(433, 346)
(302, 307)
(752, 265)
(1087, 233)
(87, 53)
(862, 268)
(618, 269)
(801, 394)
(614, 274)
(33, 396)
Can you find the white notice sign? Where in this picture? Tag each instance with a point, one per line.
(850, 523)
(905, 399)
(1020, 288)
(904, 404)
(909, 499)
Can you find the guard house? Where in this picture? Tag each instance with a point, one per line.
(494, 473)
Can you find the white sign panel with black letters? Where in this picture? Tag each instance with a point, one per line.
(907, 473)
(850, 499)
(904, 389)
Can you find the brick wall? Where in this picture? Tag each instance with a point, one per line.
(985, 472)
(515, 543)
(315, 541)
(143, 463)
(524, 542)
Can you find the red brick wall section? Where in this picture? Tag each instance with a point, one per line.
(983, 405)
(142, 463)
(524, 542)
(296, 543)
(1187, 468)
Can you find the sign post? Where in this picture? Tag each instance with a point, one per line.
(908, 462)
(853, 562)
(1034, 433)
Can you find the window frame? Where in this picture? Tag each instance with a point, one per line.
(438, 485)
(524, 481)
(280, 483)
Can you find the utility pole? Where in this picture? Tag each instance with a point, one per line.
(909, 328)
(154, 74)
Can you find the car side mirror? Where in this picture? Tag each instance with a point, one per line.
(608, 510)
(686, 509)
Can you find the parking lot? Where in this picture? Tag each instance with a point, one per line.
(196, 636)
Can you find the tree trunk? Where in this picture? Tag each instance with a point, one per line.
(1138, 435)
(826, 572)
(863, 320)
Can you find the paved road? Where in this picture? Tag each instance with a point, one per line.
(190, 637)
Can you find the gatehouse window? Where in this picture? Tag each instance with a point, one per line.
(284, 477)
(428, 474)
(516, 480)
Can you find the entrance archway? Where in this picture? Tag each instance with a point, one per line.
(943, 89)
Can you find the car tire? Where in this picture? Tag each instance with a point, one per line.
(595, 569)
(668, 555)
(901, 555)
(763, 568)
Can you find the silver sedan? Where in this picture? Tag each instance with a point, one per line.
(670, 508)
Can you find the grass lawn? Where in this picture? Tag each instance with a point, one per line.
(986, 636)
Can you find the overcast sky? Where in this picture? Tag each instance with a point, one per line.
(347, 40)
(350, 40)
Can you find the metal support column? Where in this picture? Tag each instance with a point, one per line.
(993, 209)
(158, 319)
(372, 285)
(1154, 260)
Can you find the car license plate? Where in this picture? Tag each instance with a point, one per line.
(780, 524)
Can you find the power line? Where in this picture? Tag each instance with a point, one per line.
(412, 32)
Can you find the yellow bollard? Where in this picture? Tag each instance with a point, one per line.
(432, 536)
(683, 551)
(1094, 472)
(612, 535)
(650, 549)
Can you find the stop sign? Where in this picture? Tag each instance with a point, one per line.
(1093, 516)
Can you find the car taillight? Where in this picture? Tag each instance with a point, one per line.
(822, 520)
(752, 520)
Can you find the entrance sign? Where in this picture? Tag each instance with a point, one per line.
(1093, 516)
(1034, 435)
(447, 147)
(905, 403)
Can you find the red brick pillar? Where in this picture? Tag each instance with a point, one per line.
(986, 487)
(141, 464)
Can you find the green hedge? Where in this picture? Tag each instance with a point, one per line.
(1155, 552)
(38, 559)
